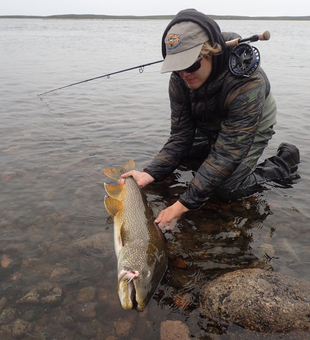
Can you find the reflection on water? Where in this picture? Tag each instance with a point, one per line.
(57, 262)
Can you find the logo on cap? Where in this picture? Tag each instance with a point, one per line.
(173, 41)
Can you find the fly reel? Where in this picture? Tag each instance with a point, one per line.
(244, 60)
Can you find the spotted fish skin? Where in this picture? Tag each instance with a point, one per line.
(140, 246)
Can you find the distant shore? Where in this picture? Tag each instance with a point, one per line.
(160, 17)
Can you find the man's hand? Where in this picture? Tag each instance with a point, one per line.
(168, 217)
(141, 178)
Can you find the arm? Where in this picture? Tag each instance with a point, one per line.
(181, 135)
(244, 104)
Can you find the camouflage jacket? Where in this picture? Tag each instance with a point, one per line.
(232, 108)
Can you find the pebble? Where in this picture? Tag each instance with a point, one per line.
(123, 328)
(5, 261)
(86, 294)
(172, 330)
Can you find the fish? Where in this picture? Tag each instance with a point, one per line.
(140, 246)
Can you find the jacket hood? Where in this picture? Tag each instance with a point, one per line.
(213, 31)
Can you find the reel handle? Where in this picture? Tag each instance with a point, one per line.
(262, 36)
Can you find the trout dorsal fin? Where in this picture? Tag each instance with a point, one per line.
(113, 205)
(130, 165)
(115, 191)
(116, 173)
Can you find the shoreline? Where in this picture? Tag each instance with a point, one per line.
(150, 17)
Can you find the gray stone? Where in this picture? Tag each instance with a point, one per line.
(7, 315)
(86, 294)
(43, 293)
(21, 328)
(258, 300)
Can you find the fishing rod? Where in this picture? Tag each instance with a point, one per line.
(140, 67)
(262, 36)
(232, 43)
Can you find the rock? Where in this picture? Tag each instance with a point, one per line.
(5, 261)
(179, 263)
(5, 333)
(37, 266)
(16, 276)
(258, 300)
(7, 315)
(60, 273)
(171, 330)
(44, 293)
(33, 314)
(85, 330)
(86, 310)
(182, 300)
(21, 328)
(102, 242)
(86, 294)
(123, 328)
(3, 301)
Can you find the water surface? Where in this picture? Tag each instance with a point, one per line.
(53, 225)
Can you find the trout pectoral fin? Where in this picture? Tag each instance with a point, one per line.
(115, 191)
(119, 236)
(113, 205)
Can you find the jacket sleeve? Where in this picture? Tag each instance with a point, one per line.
(244, 105)
(181, 134)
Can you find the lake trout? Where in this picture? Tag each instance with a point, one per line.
(140, 246)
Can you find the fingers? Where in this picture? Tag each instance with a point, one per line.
(125, 175)
(141, 178)
(165, 220)
(164, 226)
(128, 174)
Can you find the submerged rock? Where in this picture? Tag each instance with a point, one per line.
(86, 294)
(258, 300)
(43, 293)
(21, 328)
(171, 330)
(7, 315)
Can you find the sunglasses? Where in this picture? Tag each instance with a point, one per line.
(195, 67)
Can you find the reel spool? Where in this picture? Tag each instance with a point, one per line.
(244, 60)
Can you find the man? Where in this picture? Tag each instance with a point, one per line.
(222, 120)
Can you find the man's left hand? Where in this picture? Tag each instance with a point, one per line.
(168, 217)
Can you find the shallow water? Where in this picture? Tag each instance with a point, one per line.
(53, 225)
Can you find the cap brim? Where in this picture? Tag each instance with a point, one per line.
(181, 61)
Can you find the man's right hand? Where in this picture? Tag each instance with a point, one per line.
(141, 178)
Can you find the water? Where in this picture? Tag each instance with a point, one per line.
(53, 225)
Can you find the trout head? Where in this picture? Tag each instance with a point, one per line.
(138, 280)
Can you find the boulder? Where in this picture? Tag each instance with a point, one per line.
(258, 300)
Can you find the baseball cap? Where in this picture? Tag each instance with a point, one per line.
(183, 45)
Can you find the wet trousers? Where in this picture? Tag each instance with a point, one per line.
(249, 177)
